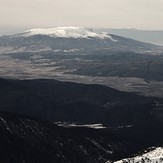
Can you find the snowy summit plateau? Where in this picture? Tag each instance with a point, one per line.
(66, 32)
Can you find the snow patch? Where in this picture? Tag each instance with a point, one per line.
(94, 126)
(154, 156)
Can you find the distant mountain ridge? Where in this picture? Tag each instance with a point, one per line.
(150, 36)
(66, 38)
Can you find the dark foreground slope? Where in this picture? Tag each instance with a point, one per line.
(25, 140)
(71, 102)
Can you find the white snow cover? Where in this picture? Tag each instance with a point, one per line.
(67, 32)
(154, 156)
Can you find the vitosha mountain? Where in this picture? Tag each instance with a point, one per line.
(67, 38)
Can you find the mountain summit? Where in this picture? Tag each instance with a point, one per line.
(67, 32)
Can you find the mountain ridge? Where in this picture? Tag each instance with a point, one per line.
(72, 102)
(24, 139)
(70, 38)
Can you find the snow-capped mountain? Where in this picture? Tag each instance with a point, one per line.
(153, 156)
(67, 32)
(67, 38)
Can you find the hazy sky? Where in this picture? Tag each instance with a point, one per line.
(17, 15)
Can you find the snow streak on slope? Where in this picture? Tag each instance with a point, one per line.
(154, 156)
(70, 125)
(67, 32)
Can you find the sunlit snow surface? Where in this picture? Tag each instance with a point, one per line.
(154, 156)
(68, 32)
